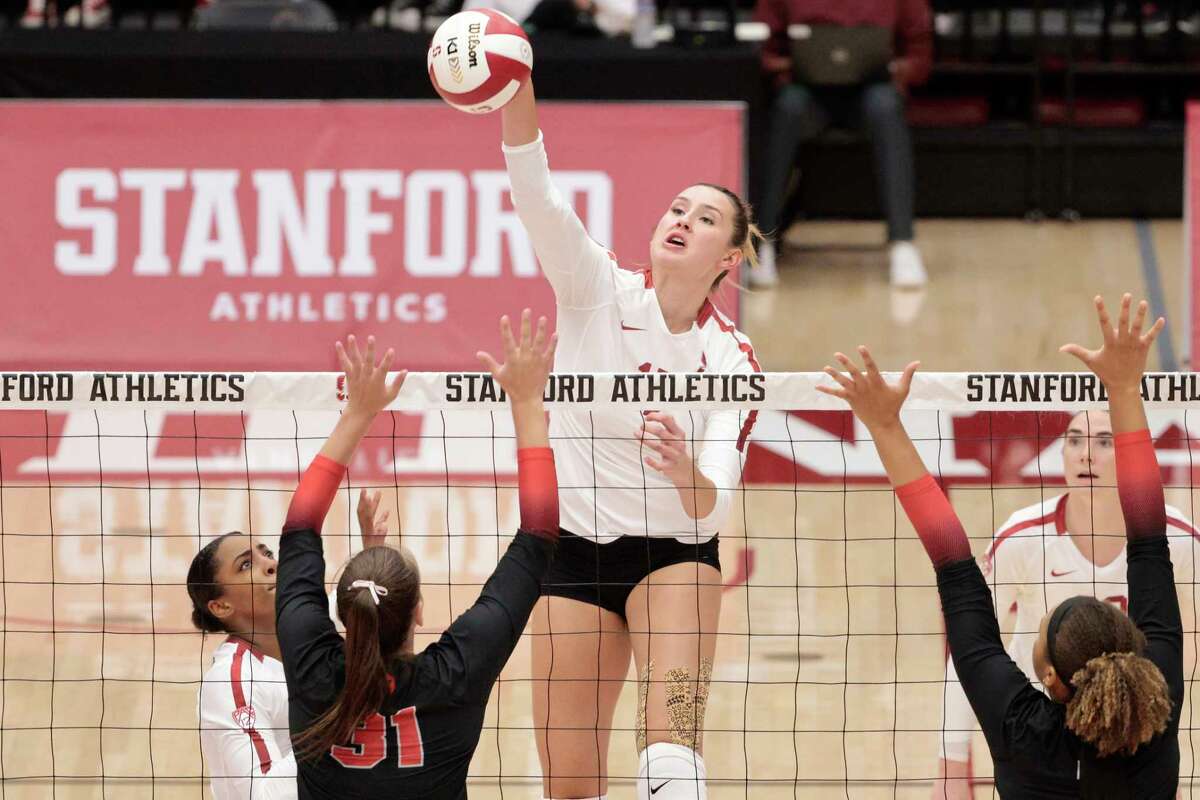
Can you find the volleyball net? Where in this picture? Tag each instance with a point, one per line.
(830, 667)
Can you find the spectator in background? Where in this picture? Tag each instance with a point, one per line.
(860, 78)
(610, 17)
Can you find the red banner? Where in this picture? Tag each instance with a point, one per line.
(1191, 226)
(244, 236)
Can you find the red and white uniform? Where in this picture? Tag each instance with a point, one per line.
(609, 320)
(243, 710)
(1033, 565)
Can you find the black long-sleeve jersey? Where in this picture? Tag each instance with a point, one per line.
(420, 743)
(1026, 732)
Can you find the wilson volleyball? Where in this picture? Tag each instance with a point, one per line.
(478, 60)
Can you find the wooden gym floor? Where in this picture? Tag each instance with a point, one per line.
(793, 696)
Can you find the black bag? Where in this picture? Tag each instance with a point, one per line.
(839, 55)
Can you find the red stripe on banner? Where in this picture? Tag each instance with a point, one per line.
(239, 700)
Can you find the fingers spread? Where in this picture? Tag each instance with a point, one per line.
(1106, 329)
(370, 351)
(1155, 329)
(489, 362)
(838, 393)
(525, 326)
(842, 380)
(343, 359)
(1139, 318)
(868, 362)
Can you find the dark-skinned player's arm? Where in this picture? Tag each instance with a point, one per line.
(1153, 601)
(988, 675)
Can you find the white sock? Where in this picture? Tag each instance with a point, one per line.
(601, 797)
(671, 772)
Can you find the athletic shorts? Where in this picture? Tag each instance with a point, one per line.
(604, 574)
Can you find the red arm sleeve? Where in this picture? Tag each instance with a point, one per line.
(1139, 484)
(538, 488)
(314, 495)
(932, 515)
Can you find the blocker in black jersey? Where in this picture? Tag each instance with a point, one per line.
(1025, 729)
(420, 743)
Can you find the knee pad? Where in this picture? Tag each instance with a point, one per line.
(671, 772)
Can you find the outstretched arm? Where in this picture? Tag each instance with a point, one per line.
(878, 405)
(579, 269)
(307, 635)
(523, 377)
(370, 392)
(989, 677)
(1153, 602)
(1119, 364)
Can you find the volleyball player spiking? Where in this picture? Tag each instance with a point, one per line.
(1070, 543)
(643, 495)
(242, 700)
(1114, 682)
(371, 718)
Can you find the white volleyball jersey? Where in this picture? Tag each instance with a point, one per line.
(609, 320)
(1033, 565)
(243, 711)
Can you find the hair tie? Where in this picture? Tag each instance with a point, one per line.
(376, 590)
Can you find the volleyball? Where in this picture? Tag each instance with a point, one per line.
(478, 60)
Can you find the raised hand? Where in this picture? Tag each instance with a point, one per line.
(1121, 359)
(366, 381)
(527, 360)
(371, 521)
(872, 399)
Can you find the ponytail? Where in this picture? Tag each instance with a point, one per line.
(366, 679)
(745, 236)
(1121, 702)
(377, 625)
(1120, 699)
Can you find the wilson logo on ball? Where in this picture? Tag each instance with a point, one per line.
(478, 60)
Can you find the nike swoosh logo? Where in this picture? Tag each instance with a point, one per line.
(1056, 574)
(625, 327)
(654, 789)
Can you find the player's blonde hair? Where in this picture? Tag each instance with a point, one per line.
(745, 235)
(377, 626)
(1120, 699)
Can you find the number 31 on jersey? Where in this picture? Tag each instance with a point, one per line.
(368, 747)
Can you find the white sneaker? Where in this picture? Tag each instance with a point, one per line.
(907, 269)
(764, 276)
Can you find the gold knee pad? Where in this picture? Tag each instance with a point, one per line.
(686, 702)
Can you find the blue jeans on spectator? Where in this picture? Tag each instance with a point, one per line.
(801, 113)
